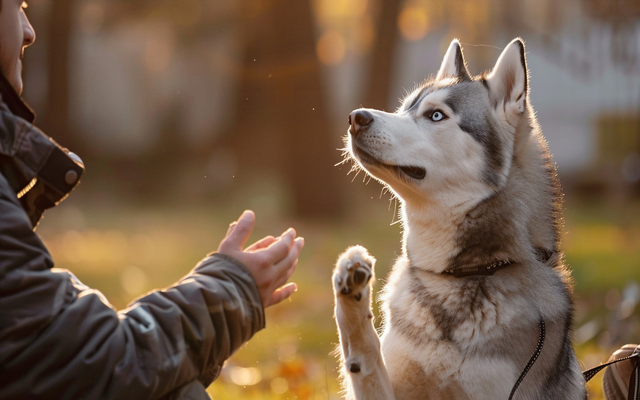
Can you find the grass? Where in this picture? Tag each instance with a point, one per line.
(125, 250)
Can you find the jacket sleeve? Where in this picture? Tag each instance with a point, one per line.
(60, 339)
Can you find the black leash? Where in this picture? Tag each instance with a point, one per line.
(532, 360)
(634, 383)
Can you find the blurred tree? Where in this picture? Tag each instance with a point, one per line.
(281, 119)
(55, 117)
(378, 89)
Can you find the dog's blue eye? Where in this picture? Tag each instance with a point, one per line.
(437, 116)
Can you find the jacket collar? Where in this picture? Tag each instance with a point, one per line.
(12, 99)
(41, 172)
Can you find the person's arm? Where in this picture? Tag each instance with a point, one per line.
(61, 339)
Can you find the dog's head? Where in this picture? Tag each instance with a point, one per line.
(453, 138)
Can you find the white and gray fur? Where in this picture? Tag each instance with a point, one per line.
(476, 186)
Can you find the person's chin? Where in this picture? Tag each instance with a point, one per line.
(16, 80)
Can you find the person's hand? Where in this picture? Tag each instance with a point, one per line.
(270, 260)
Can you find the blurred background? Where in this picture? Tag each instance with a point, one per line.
(187, 112)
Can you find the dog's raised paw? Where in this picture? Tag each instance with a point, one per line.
(353, 272)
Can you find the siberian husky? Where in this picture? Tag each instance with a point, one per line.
(479, 304)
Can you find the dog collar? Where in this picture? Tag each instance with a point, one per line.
(478, 270)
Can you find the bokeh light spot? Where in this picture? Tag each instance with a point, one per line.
(327, 10)
(279, 385)
(413, 22)
(331, 48)
(245, 376)
(133, 280)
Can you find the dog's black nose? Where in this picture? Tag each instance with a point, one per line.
(359, 119)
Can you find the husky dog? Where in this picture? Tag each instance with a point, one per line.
(480, 298)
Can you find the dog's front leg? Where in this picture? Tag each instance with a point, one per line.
(364, 374)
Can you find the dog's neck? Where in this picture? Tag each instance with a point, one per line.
(429, 235)
(440, 238)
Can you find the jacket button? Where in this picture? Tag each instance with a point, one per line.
(71, 177)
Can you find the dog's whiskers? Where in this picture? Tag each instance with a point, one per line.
(354, 167)
(345, 154)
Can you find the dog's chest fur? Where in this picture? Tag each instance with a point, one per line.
(466, 331)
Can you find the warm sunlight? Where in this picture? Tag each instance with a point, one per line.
(331, 48)
(413, 22)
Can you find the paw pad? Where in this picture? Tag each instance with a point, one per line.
(360, 277)
(353, 272)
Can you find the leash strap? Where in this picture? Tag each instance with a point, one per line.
(590, 373)
(532, 360)
(634, 383)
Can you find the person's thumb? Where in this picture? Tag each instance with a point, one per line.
(242, 230)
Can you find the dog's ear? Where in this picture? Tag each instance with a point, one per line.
(453, 65)
(509, 80)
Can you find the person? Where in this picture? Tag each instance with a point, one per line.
(60, 339)
(620, 380)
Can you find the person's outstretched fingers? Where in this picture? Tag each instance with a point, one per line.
(238, 234)
(281, 294)
(290, 259)
(282, 278)
(281, 247)
(261, 244)
(232, 226)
